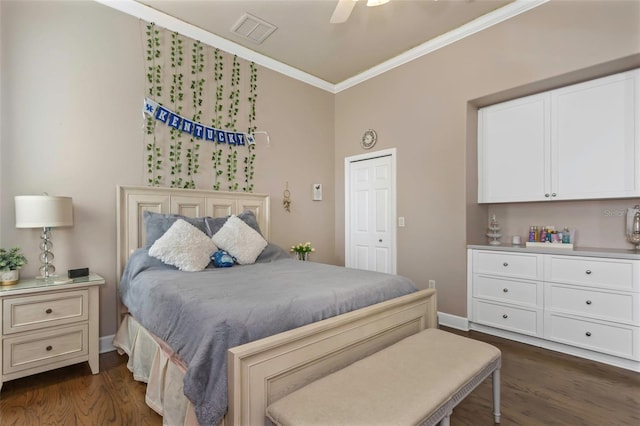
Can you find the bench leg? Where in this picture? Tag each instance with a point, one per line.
(496, 395)
(446, 420)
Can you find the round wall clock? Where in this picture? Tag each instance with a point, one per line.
(369, 139)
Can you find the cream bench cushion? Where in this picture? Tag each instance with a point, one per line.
(415, 381)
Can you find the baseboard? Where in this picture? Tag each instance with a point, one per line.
(453, 321)
(106, 344)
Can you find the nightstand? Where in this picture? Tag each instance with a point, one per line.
(47, 325)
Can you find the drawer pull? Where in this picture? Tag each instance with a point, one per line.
(588, 272)
(505, 264)
(49, 348)
(588, 302)
(49, 310)
(505, 316)
(505, 290)
(588, 334)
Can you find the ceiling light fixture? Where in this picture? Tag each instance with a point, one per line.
(372, 3)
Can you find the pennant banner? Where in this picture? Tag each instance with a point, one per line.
(190, 127)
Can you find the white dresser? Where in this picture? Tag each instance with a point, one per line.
(581, 302)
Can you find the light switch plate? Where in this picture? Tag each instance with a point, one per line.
(317, 192)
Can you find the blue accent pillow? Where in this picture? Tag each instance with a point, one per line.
(222, 259)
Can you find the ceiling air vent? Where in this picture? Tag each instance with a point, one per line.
(252, 28)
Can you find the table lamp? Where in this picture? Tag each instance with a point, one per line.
(46, 212)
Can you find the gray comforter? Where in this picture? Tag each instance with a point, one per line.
(202, 314)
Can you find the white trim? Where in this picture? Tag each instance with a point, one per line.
(148, 14)
(470, 28)
(347, 185)
(453, 321)
(106, 344)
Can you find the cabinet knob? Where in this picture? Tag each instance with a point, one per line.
(505, 264)
(588, 272)
(49, 348)
(505, 316)
(49, 310)
(588, 334)
(588, 302)
(505, 290)
(380, 240)
(553, 194)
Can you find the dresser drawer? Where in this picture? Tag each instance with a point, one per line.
(37, 349)
(613, 339)
(593, 303)
(515, 265)
(44, 310)
(619, 274)
(508, 290)
(517, 319)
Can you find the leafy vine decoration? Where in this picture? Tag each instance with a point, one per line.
(234, 102)
(176, 97)
(154, 78)
(249, 160)
(216, 155)
(179, 152)
(197, 89)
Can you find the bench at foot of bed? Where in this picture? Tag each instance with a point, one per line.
(417, 381)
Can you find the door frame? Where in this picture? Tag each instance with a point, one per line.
(392, 214)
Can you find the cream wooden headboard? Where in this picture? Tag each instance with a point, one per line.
(132, 201)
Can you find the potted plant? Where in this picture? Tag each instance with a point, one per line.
(10, 263)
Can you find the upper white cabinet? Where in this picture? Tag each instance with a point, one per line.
(577, 142)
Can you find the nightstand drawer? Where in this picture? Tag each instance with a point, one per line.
(613, 339)
(37, 349)
(508, 290)
(520, 320)
(593, 303)
(514, 265)
(619, 274)
(44, 310)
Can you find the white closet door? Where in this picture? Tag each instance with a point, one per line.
(371, 218)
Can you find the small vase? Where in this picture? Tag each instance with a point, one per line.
(9, 277)
(303, 256)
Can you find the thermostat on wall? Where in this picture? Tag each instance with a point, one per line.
(317, 192)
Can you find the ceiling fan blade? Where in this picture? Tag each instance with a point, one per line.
(342, 11)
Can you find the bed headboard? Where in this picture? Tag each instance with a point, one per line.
(132, 201)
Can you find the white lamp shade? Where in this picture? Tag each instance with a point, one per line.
(43, 211)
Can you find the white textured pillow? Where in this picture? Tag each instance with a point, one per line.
(184, 246)
(239, 240)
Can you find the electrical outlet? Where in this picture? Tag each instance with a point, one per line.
(432, 283)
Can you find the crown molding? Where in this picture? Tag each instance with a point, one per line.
(146, 13)
(141, 11)
(470, 28)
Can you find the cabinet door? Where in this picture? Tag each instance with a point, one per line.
(594, 137)
(513, 150)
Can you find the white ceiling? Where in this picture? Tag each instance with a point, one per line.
(330, 54)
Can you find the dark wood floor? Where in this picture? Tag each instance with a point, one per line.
(539, 387)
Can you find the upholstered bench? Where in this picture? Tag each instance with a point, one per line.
(418, 380)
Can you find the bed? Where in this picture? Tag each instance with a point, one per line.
(271, 364)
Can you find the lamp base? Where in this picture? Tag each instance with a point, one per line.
(47, 278)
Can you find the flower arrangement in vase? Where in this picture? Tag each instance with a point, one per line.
(302, 250)
(11, 261)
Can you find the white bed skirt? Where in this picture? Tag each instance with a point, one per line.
(153, 362)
